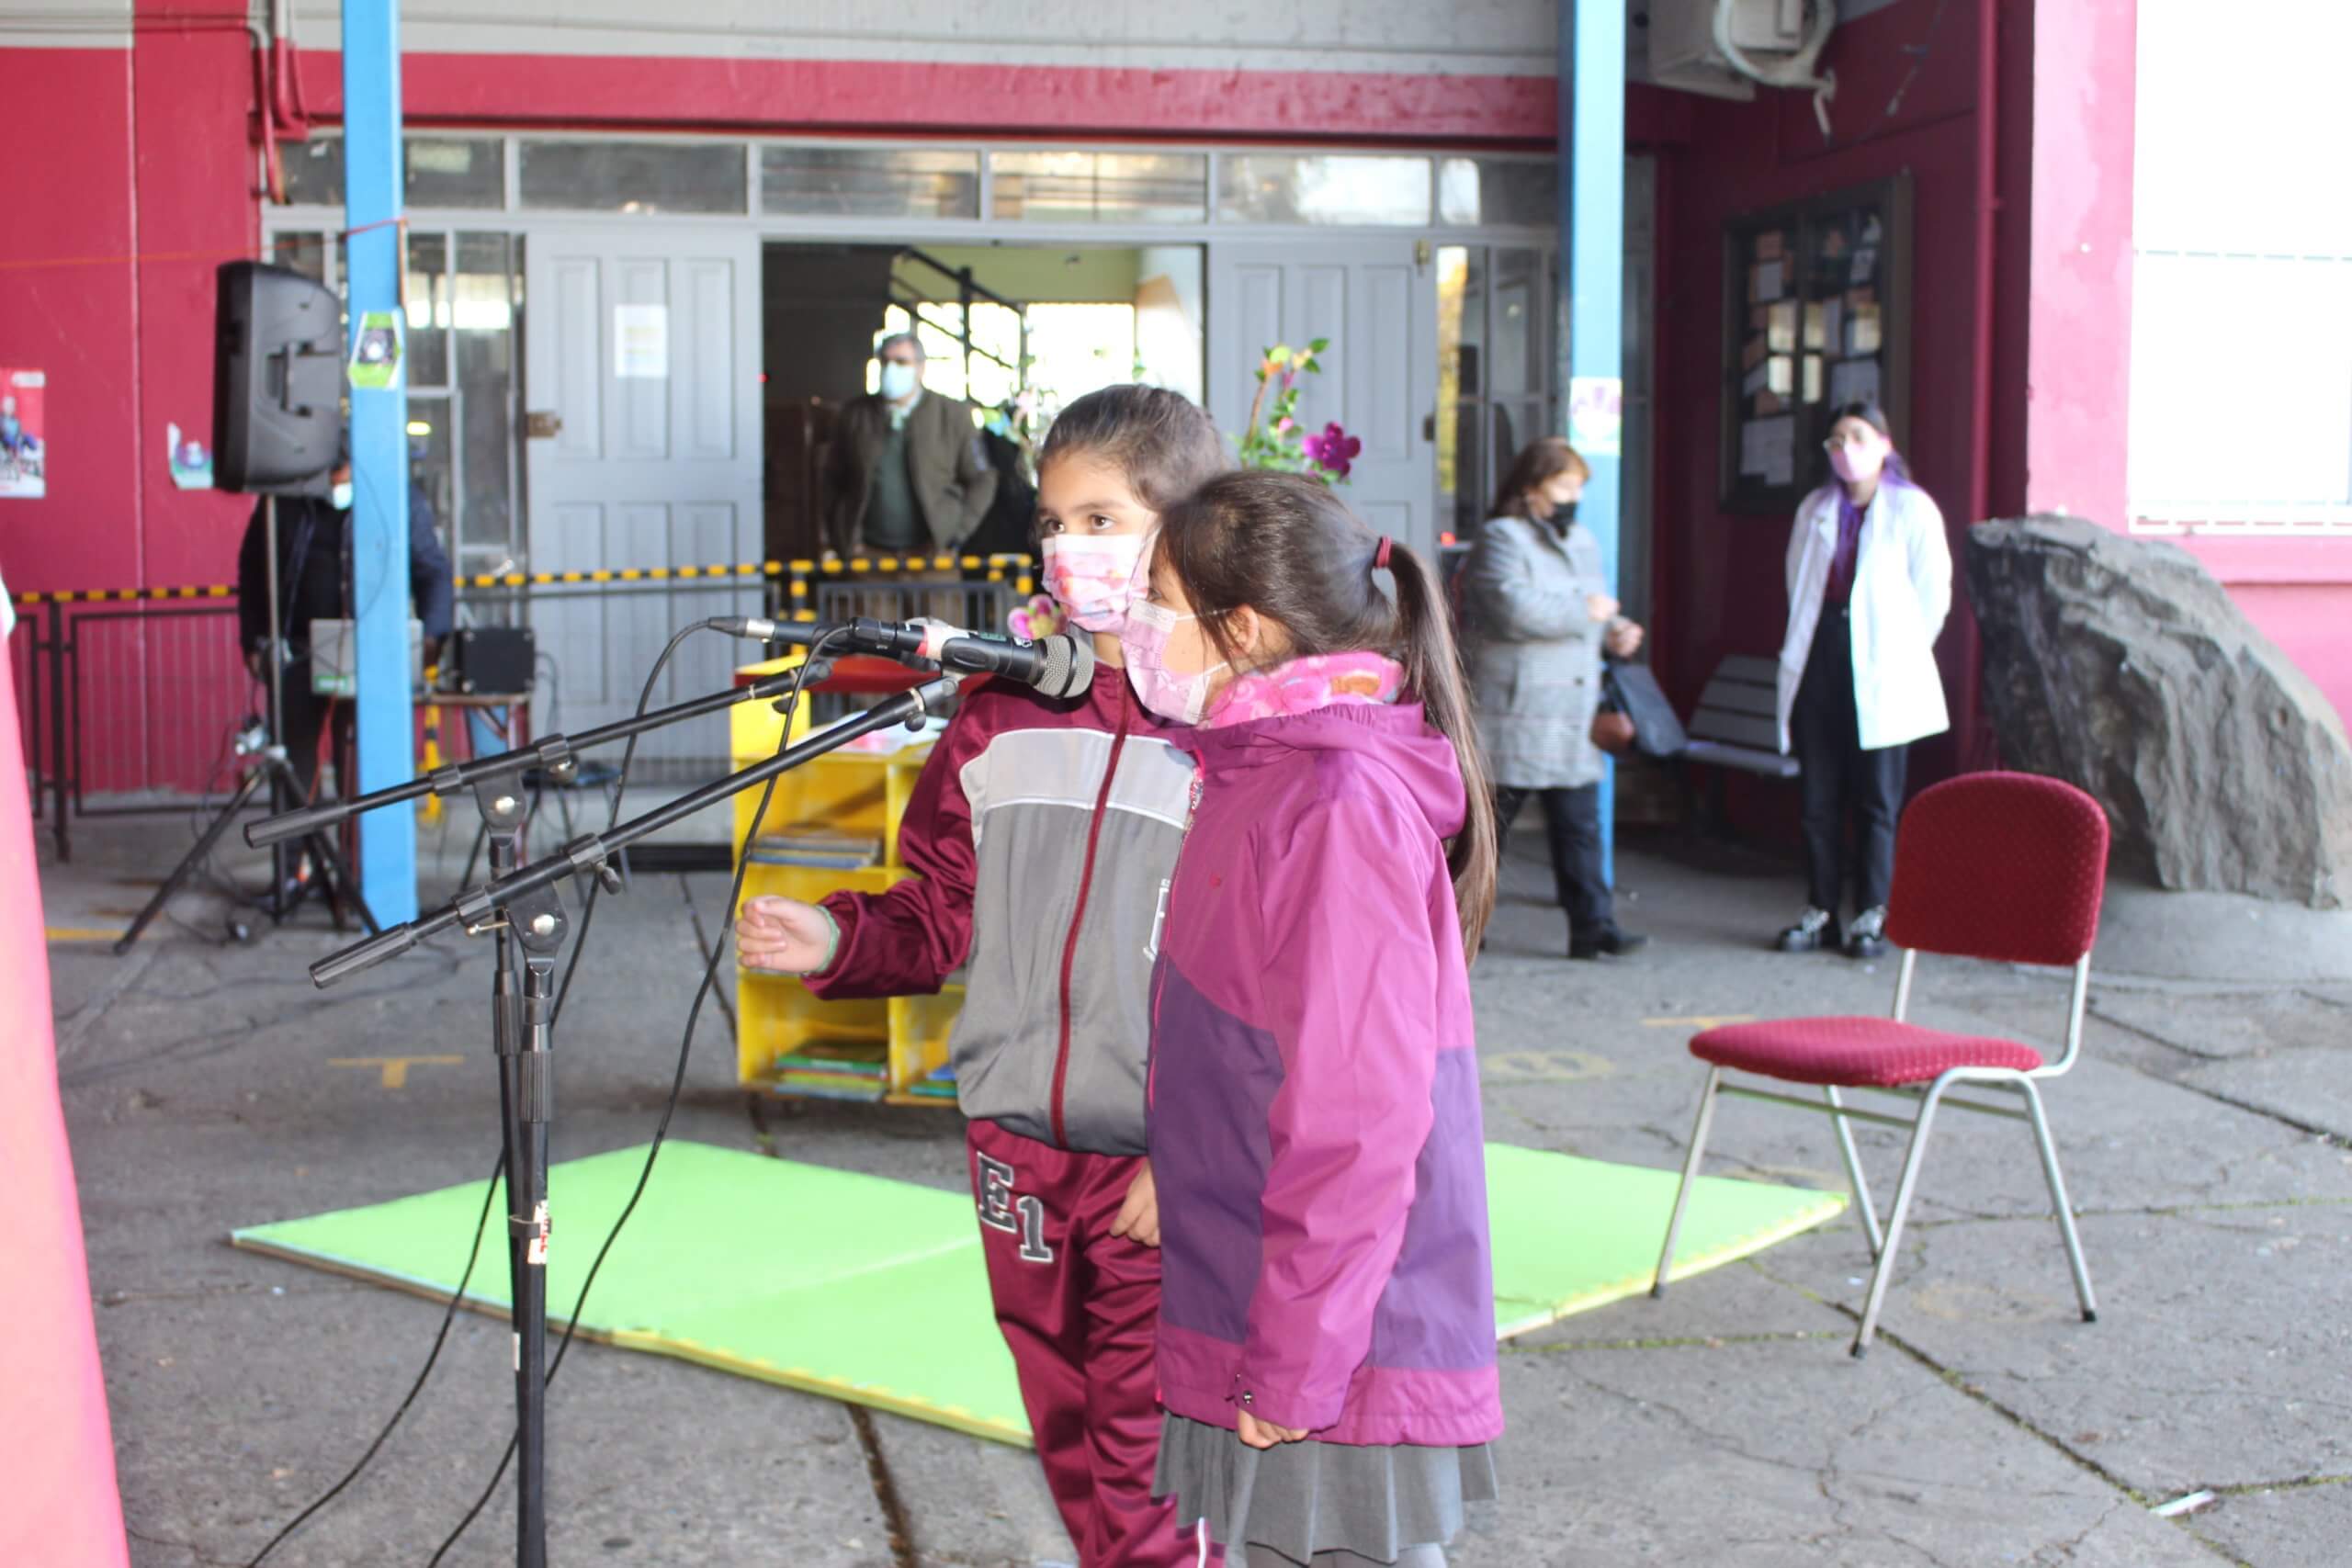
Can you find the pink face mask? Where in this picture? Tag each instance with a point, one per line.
(1097, 578)
(1144, 641)
(1858, 465)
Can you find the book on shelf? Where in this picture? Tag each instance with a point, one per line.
(811, 844)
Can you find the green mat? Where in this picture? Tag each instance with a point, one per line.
(870, 1290)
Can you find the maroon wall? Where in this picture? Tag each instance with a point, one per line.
(1720, 574)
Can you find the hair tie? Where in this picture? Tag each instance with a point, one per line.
(1380, 554)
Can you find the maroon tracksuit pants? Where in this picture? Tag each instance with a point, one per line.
(1080, 1309)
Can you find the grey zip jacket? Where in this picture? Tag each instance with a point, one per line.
(1044, 832)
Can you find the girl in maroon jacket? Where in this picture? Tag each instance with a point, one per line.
(1044, 832)
(1327, 1331)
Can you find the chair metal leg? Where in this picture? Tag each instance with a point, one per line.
(1690, 1175)
(1884, 1272)
(1854, 1172)
(2058, 1197)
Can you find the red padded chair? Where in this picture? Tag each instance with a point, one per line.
(2001, 866)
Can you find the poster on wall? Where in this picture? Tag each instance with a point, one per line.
(191, 463)
(641, 341)
(376, 351)
(1597, 415)
(24, 435)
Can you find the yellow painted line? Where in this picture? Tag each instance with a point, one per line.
(395, 1068)
(79, 933)
(1545, 1066)
(1700, 1020)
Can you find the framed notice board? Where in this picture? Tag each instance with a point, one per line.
(1816, 313)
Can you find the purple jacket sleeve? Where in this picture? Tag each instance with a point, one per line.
(1351, 986)
(907, 941)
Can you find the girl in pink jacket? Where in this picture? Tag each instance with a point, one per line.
(1327, 1329)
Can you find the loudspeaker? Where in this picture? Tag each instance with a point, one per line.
(277, 381)
(493, 658)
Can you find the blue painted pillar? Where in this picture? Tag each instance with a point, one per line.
(372, 193)
(1592, 281)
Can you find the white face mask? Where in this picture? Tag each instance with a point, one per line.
(1097, 579)
(1144, 641)
(340, 497)
(897, 379)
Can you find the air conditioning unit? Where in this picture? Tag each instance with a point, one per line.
(1683, 49)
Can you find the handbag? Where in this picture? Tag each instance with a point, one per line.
(1634, 714)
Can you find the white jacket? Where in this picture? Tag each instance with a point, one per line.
(1902, 594)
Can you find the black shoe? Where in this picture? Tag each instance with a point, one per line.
(1814, 929)
(1609, 940)
(1866, 938)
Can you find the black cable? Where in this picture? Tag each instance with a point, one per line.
(450, 1312)
(448, 1315)
(612, 820)
(791, 704)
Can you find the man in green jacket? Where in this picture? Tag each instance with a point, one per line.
(907, 475)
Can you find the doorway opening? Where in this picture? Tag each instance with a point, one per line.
(1015, 331)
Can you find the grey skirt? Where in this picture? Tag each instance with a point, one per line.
(1305, 1497)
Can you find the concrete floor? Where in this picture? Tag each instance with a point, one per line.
(2208, 1139)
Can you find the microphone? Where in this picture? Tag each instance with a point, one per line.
(1060, 666)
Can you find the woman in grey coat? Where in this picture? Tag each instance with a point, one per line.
(1537, 615)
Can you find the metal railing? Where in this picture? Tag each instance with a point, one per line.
(131, 694)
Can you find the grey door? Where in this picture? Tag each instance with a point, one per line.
(641, 343)
(1376, 300)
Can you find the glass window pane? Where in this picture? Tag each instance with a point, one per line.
(428, 310)
(439, 171)
(484, 293)
(860, 182)
(1317, 187)
(430, 475)
(1498, 192)
(633, 176)
(305, 251)
(1518, 320)
(455, 171)
(313, 171)
(1085, 188)
(1461, 321)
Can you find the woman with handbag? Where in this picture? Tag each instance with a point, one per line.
(1870, 584)
(1537, 616)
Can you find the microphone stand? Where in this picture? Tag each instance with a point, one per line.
(519, 910)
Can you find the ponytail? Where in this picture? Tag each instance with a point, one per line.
(1433, 673)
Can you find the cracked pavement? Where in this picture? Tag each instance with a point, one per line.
(2206, 1140)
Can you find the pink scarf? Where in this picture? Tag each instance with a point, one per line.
(1303, 686)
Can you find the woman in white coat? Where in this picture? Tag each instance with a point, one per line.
(1870, 583)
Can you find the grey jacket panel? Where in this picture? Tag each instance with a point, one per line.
(1032, 794)
(1534, 652)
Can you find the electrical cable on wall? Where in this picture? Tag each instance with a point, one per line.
(1797, 70)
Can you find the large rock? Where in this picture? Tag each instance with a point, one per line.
(2120, 665)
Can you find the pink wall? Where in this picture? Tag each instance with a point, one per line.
(110, 254)
(2299, 592)
(2078, 393)
(67, 310)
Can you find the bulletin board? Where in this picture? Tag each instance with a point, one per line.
(1816, 313)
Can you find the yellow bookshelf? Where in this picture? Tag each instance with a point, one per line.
(787, 1041)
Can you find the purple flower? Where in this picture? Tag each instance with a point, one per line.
(1334, 451)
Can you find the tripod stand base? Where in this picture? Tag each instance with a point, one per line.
(277, 903)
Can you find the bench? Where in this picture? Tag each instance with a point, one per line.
(1736, 724)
